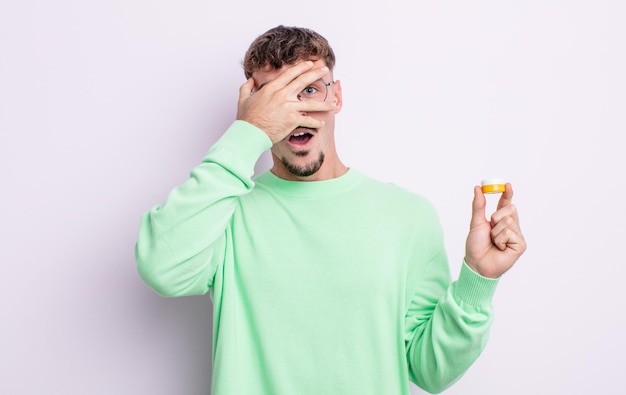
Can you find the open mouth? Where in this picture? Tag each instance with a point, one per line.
(300, 136)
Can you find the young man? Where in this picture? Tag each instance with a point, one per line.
(324, 281)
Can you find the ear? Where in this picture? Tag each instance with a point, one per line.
(337, 98)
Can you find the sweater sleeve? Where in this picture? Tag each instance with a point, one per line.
(447, 324)
(181, 242)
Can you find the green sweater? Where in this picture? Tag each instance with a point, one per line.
(332, 287)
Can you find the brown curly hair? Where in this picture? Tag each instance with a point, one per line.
(283, 45)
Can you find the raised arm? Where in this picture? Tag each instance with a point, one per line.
(180, 242)
(178, 247)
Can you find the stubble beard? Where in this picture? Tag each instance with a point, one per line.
(305, 170)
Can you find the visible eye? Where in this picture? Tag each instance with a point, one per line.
(310, 90)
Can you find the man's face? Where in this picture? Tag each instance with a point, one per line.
(306, 154)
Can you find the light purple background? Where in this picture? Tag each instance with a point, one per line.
(107, 105)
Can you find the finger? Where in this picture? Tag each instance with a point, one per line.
(478, 208)
(508, 238)
(315, 106)
(502, 224)
(507, 196)
(310, 122)
(305, 79)
(291, 73)
(246, 89)
(504, 212)
(507, 231)
(502, 238)
(295, 78)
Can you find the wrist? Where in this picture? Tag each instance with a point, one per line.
(482, 270)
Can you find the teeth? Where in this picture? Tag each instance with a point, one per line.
(298, 134)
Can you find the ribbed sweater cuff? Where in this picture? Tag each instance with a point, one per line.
(474, 289)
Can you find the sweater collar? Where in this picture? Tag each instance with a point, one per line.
(310, 189)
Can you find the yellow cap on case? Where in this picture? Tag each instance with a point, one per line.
(493, 185)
